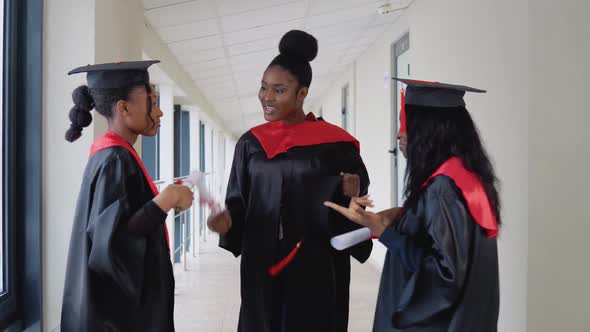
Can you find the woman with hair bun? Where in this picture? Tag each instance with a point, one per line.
(291, 278)
(119, 275)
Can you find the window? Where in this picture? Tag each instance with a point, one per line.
(150, 153)
(20, 163)
(181, 168)
(2, 260)
(201, 147)
(181, 142)
(202, 159)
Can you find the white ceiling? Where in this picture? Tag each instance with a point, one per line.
(225, 45)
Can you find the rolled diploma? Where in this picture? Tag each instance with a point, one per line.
(347, 240)
(197, 179)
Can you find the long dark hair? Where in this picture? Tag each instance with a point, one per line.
(437, 134)
(102, 100)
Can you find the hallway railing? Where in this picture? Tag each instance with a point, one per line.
(192, 223)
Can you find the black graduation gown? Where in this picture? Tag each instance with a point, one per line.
(119, 275)
(283, 197)
(441, 269)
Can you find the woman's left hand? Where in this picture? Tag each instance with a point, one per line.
(351, 184)
(357, 214)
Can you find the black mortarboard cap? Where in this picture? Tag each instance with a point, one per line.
(116, 75)
(435, 94)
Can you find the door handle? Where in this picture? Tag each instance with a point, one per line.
(394, 151)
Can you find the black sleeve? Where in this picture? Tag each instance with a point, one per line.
(438, 263)
(236, 198)
(409, 252)
(114, 252)
(354, 165)
(147, 219)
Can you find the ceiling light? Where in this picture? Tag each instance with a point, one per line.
(391, 7)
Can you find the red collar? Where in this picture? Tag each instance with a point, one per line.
(473, 192)
(276, 137)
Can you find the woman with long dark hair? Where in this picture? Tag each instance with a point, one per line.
(441, 269)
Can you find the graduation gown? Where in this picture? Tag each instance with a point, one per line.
(119, 275)
(441, 269)
(277, 201)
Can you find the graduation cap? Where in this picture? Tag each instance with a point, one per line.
(116, 75)
(431, 94)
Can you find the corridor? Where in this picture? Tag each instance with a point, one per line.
(208, 300)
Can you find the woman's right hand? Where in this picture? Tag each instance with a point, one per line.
(376, 222)
(175, 196)
(220, 223)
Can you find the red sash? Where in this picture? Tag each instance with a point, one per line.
(111, 139)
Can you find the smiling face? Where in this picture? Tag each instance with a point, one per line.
(281, 95)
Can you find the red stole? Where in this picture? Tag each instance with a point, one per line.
(276, 137)
(473, 191)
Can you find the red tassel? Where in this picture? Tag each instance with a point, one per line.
(277, 268)
(402, 115)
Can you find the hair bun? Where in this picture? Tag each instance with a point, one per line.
(73, 133)
(299, 44)
(82, 98)
(80, 117)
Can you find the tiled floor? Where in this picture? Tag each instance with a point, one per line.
(208, 300)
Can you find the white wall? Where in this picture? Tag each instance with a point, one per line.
(461, 41)
(229, 157)
(63, 162)
(70, 40)
(559, 265)
(332, 104)
(117, 37)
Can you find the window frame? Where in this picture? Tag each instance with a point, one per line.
(20, 307)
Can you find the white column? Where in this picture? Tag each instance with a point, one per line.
(215, 162)
(167, 146)
(194, 136)
(230, 147)
(220, 166)
(194, 166)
